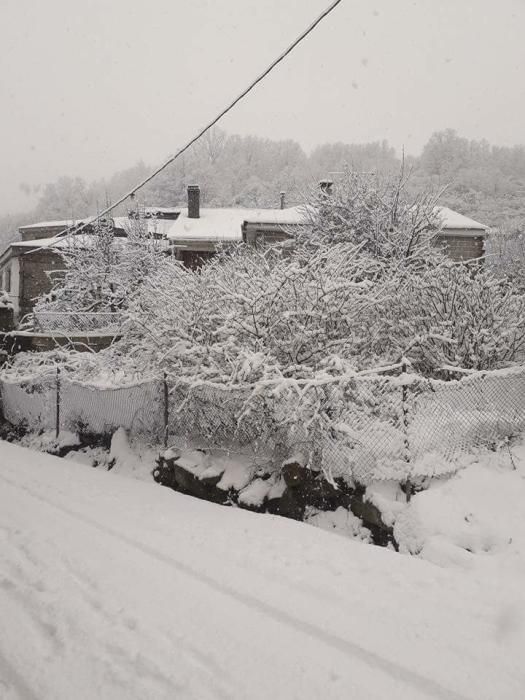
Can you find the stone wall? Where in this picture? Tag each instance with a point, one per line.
(294, 490)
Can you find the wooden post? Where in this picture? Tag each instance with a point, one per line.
(166, 408)
(57, 429)
(404, 399)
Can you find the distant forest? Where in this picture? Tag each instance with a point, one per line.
(483, 181)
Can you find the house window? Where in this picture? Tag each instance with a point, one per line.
(7, 279)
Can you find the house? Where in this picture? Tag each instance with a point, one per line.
(192, 235)
(26, 266)
(462, 237)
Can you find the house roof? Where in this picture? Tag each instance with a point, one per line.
(219, 224)
(451, 219)
(55, 242)
(79, 240)
(213, 224)
(223, 220)
(55, 224)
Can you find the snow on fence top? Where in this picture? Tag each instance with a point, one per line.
(355, 427)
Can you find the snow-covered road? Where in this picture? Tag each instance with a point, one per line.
(114, 588)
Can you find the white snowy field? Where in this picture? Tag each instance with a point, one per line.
(112, 588)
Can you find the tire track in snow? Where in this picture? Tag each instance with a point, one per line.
(375, 661)
(20, 586)
(207, 666)
(45, 628)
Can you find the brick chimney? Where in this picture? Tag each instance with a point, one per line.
(282, 195)
(194, 201)
(326, 187)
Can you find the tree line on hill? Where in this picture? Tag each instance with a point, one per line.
(483, 181)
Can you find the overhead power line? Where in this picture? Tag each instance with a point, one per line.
(211, 124)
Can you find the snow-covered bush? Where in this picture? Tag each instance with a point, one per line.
(450, 315)
(376, 213)
(249, 312)
(363, 286)
(505, 254)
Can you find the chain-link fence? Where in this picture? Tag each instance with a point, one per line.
(373, 426)
(75, 321)
(59, 403)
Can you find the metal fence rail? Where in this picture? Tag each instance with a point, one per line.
(365, 427)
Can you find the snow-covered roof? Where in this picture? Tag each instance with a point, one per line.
(212, 224)
(79, 240)
(64, 223)
(55, 242)
(454, 220)
(223, 224)
(226, 224)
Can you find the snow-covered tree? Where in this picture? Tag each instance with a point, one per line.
(363, 286)
(375, 212)
(451, 314)
(285, 313)
(505, 253)
(101, 270)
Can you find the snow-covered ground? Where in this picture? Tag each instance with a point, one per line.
(114, 588)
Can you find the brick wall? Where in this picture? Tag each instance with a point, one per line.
(34, 280)
(463, 247)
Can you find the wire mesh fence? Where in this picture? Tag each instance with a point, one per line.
(59, 403)
(137, 408)
(76, 322)
(31, 401)
(365, 427)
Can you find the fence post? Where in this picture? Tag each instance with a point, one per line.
(166, 408)
(406, 442)
(57, 428)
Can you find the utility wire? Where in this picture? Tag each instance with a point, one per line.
(190, 143)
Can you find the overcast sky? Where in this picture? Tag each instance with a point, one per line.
(89, 87)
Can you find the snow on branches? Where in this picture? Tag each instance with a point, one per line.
(102, 270)
(375, 212)
(249, 310)
(450, 314)
(363, 285)
(265, 345)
